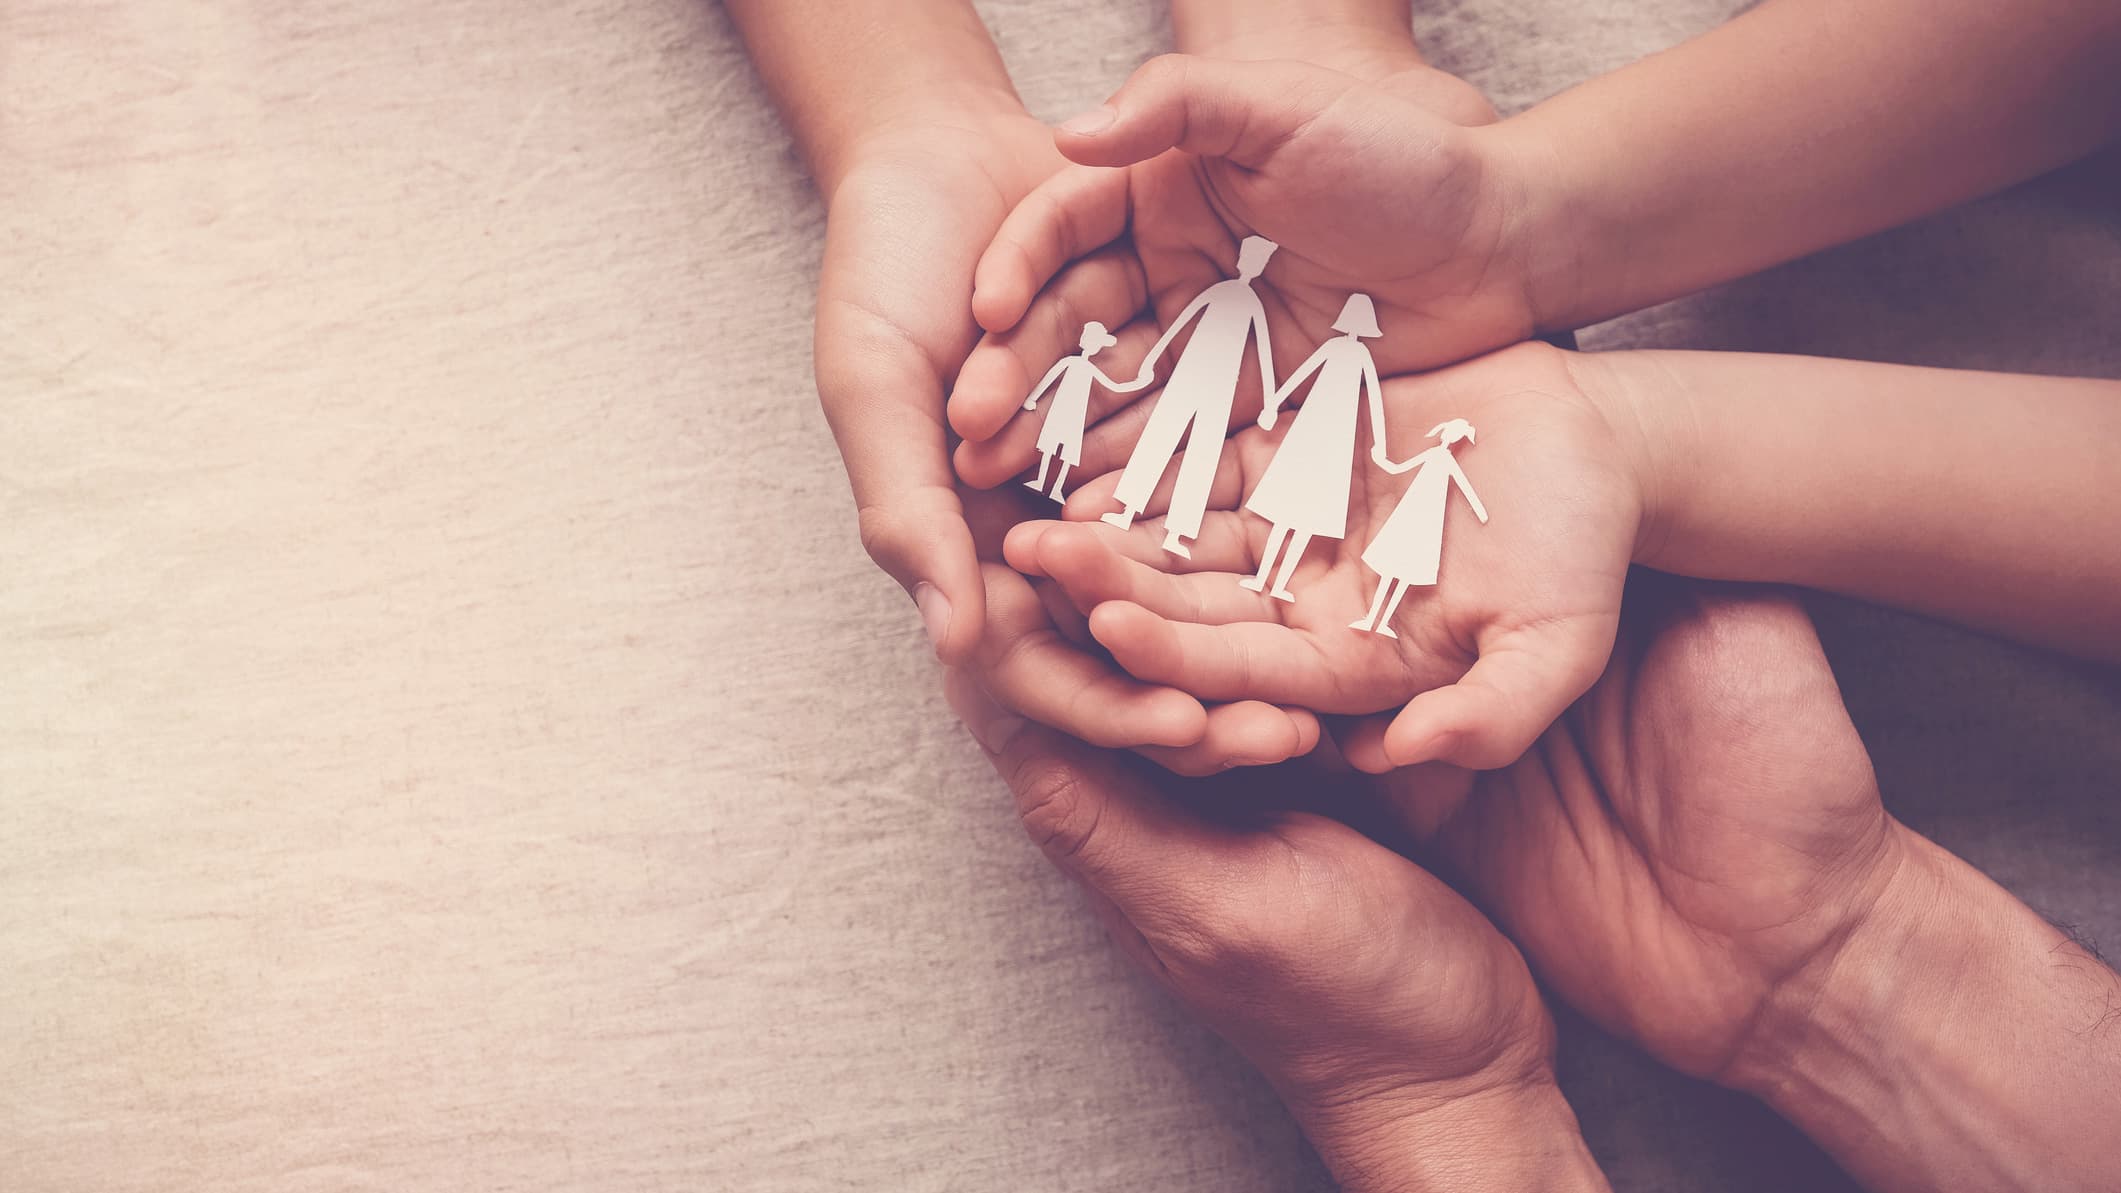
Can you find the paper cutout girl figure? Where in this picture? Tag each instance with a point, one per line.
(1062, 432)
(1199, 394)
(1305, 490)
(1409, 547)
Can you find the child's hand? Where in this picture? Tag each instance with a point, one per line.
(1182, 237)
(1519, 624)
(1363, 188)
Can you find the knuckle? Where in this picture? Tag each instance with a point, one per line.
(885, 535)
(1210, 942)
(1056, 808)
(1165, 72)
(1256, 945)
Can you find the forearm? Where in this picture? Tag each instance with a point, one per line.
(1344, 33)
(1798, 125)
(1956, 1041)
(839, 69)
(1984, 498)
(1520, 1139)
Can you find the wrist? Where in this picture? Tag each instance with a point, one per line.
(1322, 32)
(1827, 1014)
(1644, 407)
(842, 72)
(1952, 1039)
(1549, 236)
(1518, 1135)
(909, 120)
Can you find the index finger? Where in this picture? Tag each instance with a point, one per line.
(1070, 215)
(883, 398)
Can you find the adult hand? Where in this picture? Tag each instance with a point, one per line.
(1402, 1029)
(1696, 856)
(1692, 840)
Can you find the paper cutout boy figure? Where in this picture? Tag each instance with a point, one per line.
(1062, 432)
(1409, 547)
(1202, 388)
(1305, 490)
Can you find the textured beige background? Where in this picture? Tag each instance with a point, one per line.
(450, 738)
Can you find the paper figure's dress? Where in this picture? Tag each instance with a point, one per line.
(1199, 394)
(1409, 547)
(1067, 409)
(1306, 485)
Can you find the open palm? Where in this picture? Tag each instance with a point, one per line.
(1520, 624)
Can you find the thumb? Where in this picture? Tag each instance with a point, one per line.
(1511, 694)
(1242, 111)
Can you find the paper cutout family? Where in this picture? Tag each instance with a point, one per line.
(1304, 493)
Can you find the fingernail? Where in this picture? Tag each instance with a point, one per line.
(1092, 122)
(935, 612)
(990, 725)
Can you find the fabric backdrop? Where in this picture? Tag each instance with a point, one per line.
(450, 738)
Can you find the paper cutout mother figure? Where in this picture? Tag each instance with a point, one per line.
(1199, 395)
(1305, 490)
(1409, 547)
(1062, 432)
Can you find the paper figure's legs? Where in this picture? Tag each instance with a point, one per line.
(1289, 558)
(1038, 482)
(1275, 538)
(1196, 476)
(1145, 464)
(1368, 621)
(1058, 479)
(1384, 622)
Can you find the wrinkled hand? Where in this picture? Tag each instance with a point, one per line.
(1519, 626)
(906, 225)
(1683, 856)
(1367, 991)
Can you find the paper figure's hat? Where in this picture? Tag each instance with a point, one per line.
(1096, 338)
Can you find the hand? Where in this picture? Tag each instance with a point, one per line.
(1365, 186)
(1165, 256)
(1402, 1029)
(1685, 853)
(916, 204)
(1519, 626)
(1036, 658)
(1698, 859)
(1030, 403)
